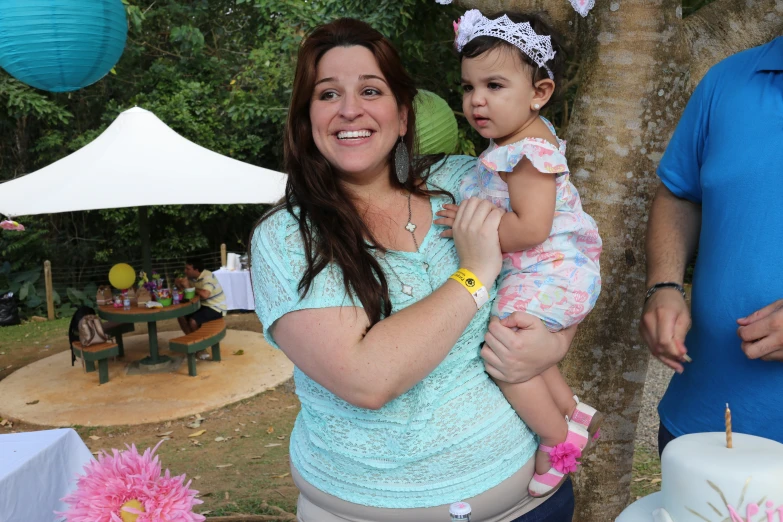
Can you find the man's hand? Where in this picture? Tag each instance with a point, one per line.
(762, 333)
(665, 321)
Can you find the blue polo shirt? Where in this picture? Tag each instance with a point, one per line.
(727, 155)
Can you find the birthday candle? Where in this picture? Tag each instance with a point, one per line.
(728, 426)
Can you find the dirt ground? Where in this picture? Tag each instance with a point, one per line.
(246, 470)
(239, 464)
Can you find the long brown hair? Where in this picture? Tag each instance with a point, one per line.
(330, 225)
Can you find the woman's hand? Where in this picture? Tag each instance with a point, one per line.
(520, 347)
(475, 232)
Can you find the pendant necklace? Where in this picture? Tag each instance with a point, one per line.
(410, 227)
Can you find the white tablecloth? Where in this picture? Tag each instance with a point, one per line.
(236, 285)
(37, 469)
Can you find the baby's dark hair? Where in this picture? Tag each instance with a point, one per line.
(541, 26)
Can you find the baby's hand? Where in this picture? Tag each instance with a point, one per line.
(446, 218)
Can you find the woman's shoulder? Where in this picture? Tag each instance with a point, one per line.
(447, 173)
(279, 229)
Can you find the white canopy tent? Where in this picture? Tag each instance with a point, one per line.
(137, 162)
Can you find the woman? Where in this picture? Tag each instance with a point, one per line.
(351, 276)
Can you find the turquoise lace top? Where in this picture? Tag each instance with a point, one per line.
(450, 437)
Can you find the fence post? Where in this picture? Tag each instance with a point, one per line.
(223, 255)
(49, 290)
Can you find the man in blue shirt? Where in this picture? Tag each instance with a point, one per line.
(722, 190)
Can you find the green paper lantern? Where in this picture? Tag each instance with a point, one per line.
(436, 126)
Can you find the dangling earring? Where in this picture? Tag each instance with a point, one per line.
(401, 162)
(536, 106)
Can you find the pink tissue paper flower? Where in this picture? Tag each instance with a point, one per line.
(112, 480)
(11, 225)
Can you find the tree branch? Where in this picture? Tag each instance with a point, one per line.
(726, 27)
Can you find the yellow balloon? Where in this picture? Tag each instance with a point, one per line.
(131, 517)
(122, 276)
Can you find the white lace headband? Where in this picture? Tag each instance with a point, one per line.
(474, 24)
(580, 6)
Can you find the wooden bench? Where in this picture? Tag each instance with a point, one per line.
(116, 330)
(210, 334)
(97, 352)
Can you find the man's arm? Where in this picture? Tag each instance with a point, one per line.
(672, 236)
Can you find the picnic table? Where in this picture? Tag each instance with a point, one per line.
(151, 316)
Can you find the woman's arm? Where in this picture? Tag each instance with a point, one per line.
(330, 345)
(532, 196)
(520, 347)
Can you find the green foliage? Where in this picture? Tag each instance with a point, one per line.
(218, 72)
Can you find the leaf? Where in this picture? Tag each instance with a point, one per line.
(239, 352)
(221, 439)
(195, 424)
(94, 437)
(24, 291)
(270, 430)
(197, 434)
(224, 465)
(32, 402)
(165, 433)
(281, 476)
(272, 445)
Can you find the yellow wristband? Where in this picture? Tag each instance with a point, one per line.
(472, 284)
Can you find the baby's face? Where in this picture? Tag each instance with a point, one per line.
(498, 94)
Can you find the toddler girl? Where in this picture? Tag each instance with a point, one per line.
(551, 246)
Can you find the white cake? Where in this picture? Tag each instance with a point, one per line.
(703, 480)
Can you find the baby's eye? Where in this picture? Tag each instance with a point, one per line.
(467, 88)
(494, 86)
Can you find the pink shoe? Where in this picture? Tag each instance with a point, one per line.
(589, 418)
(563, 458)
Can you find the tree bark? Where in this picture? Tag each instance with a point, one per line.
(726, 27)
(632, 91)
(638, 60)
(559, 11)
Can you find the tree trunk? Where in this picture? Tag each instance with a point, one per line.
(632, 92)
(726, 27)
(639, 63)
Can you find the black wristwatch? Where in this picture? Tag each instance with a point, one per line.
(667, 284)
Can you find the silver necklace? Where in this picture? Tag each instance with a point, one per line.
(410, 227)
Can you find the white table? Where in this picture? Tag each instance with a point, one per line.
(236, 285)
(37, 469)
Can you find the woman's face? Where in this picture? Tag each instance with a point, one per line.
(354, 115)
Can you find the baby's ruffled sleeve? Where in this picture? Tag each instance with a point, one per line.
(544, 157)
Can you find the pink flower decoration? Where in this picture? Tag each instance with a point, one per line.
(112, 480)
(563, 457)
(11, 225)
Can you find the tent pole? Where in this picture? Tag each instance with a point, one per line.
(144, 230)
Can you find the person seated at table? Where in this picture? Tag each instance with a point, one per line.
(213, 300)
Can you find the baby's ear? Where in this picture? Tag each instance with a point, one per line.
(544, 89)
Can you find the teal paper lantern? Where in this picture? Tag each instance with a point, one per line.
(61, 45)
(436, 125)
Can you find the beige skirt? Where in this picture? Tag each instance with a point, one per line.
(503, 503)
